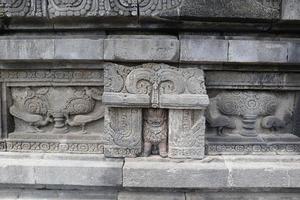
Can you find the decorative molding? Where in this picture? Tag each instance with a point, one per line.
(223, 149)
(52, 75)
(54, 146)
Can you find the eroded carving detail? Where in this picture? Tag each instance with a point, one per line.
(123, 128)
(21, 8)
(92, 7)
(153, 7)
(187, 130)
(155, 131)
(157, 89)
(73, 106)
(227, 109)
(54, 147)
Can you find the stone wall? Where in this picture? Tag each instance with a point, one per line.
(150, 99)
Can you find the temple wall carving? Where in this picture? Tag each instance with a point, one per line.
(150, 99)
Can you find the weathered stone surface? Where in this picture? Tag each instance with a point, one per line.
(65, 170)
(141, 48)
(290, 10)
(151, 196)
(243, 195)
(186, 134)
(23, 194)
(294, 51)
(79, 49)
(123, 130)
(26, 49)
(157, 173)
(203, 50)
(155, 88)
(231, 9)
(51, 49)
(257, 51)
(214, 172)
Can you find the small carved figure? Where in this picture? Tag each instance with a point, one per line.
(155, 131)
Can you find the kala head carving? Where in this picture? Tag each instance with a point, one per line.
(155, 131)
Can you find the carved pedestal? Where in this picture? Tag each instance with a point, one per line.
(156, 105)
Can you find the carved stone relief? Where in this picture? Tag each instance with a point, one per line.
(155, 131)
(123, 130)
(51, 114)
(257, 119)
(21, 7)
(187, 130)
(92, 7)
(153, 7)
(159, 92)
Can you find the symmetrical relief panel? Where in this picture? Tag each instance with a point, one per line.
(54, 114)
(251, 122)
(160, 95)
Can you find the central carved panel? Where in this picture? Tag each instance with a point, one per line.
(160, 94)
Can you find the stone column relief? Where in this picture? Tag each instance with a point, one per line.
(251, 122)
(155, 109)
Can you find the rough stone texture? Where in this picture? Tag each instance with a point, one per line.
(142, 48)
(242, 195)
(257, 51)
(22, 194)
(294, 51)
(191, 174)
(51, 49)
(231, 9)
(204, 50)
(290, 10)
(214, 172)
(150, 196)
(79, 49)
(65, 170)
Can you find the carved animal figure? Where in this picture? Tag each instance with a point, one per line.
(35, 121)
(155, 131)
(82, 120)
(221, 122)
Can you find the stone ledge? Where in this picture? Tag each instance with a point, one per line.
(59, 169)
(214, 172)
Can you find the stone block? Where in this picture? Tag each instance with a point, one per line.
(139, 49)
(290, 10)
(255, 51)
(203, 50)
(26, 49)
(79, 49)
(65, 170)
(151, 196)
(159, 173)
(294, 51)
(242, 195)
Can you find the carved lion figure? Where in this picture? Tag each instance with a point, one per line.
(155, 131)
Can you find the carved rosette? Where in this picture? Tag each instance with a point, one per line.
(169, 98)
